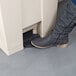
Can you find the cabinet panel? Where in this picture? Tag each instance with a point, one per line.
(18, 14)
(31, 11)
(48, 15)
(11, 24)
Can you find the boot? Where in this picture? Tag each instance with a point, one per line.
(66, 18)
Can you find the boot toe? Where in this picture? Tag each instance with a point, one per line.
(40, 43)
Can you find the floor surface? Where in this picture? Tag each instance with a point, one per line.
(41, 62)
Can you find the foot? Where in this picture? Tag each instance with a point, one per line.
(40, 43)
(46, 43)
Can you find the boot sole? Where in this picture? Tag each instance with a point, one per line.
(39, 46)
(59, 46)
(62, 46)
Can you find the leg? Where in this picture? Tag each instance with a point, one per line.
(64, 25)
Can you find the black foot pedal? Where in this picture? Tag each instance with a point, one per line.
(27, 37)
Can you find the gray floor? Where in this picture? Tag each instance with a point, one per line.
(41, 62)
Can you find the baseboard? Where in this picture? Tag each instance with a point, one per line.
(13, 51)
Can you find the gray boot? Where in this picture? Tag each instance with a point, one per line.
(66, 19)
